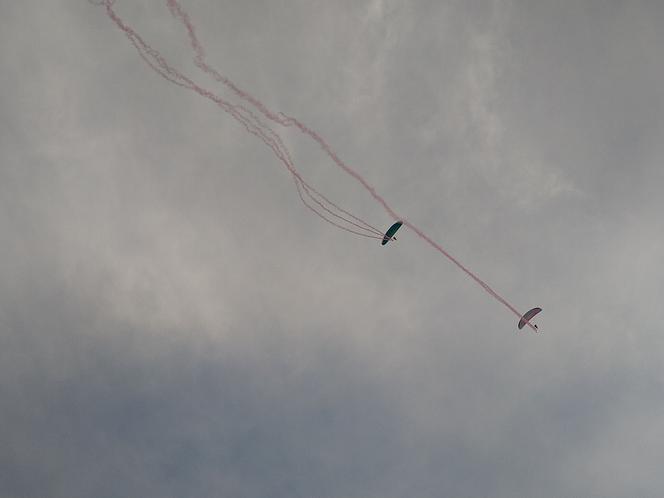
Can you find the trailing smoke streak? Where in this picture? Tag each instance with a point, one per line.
(246, 117)
(174, 76)
(308, 191)
(300, 186)
(282, 119)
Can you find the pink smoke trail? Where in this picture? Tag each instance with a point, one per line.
(173, 75)
(199, 60)
(284, 120)
(300, 187)
(247, 118)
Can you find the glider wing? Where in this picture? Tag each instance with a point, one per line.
(527, 316)
(390, 232)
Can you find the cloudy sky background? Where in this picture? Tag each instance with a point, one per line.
(173, 322)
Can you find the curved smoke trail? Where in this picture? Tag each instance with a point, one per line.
(254, 126)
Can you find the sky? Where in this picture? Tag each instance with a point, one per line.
(174, 322)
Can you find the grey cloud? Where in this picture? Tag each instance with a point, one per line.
(174, 323)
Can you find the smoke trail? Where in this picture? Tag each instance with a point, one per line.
(199, 59)
(246, 117)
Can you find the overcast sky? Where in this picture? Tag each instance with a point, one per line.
(174, 322)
